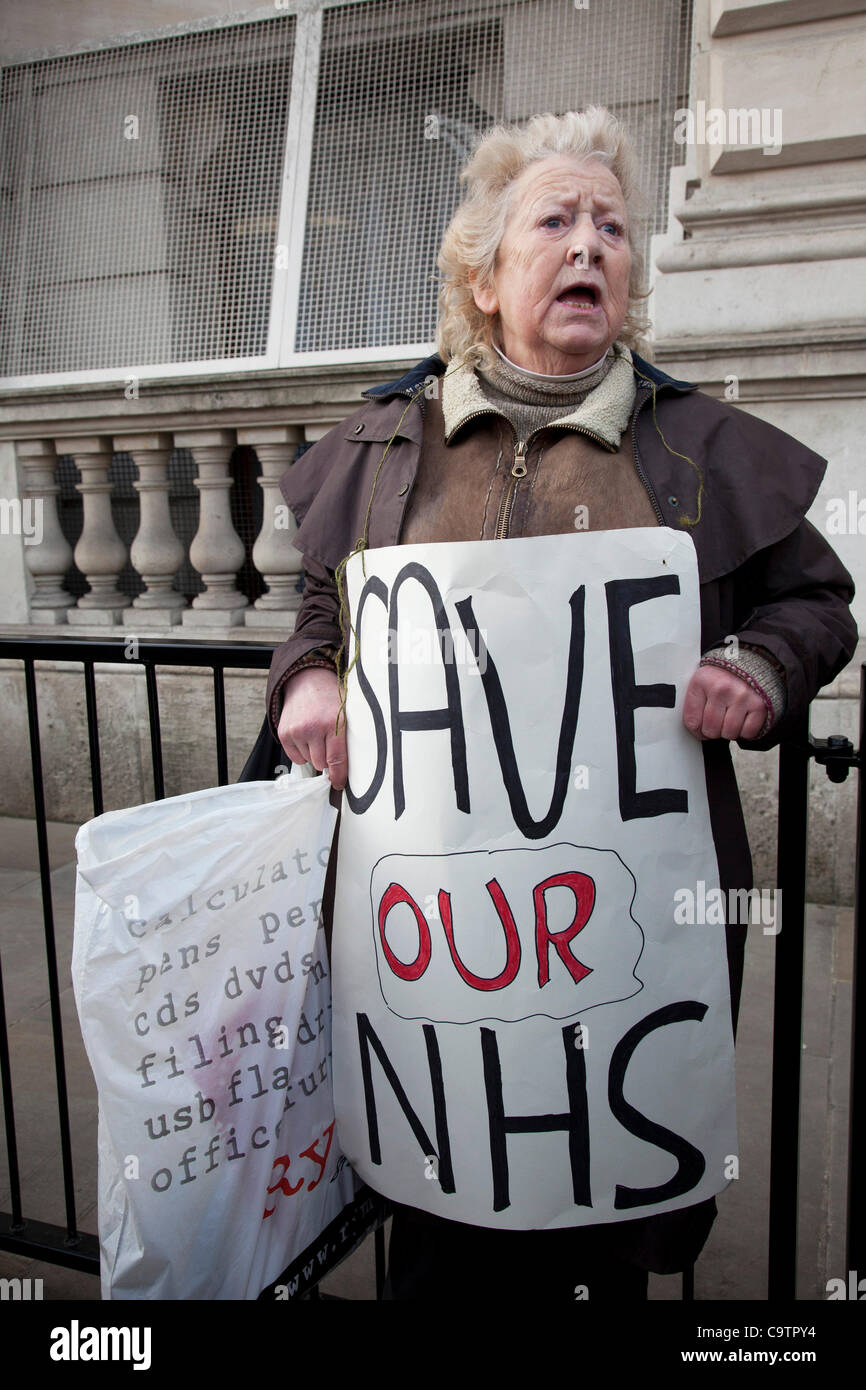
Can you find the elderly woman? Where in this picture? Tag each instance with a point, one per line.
(538, 411)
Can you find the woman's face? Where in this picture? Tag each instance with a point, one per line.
(560, 283)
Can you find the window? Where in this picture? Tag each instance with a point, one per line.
(139, 201)
(272, 192)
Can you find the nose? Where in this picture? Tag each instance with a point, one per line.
(586, 245)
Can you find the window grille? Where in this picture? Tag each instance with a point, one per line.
(148, 191)
(139, 198)
(403, 90)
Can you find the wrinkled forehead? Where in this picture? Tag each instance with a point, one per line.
(566, 179)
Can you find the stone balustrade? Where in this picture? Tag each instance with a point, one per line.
(168, 474)
(217, 552)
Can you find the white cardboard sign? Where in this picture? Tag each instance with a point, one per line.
(524, 1037)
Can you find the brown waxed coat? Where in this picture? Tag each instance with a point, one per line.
(463, 489)
(766, 574)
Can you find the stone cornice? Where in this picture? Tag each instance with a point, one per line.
(785, 247)
(802, 204)
(747, 223)
(771, 366)
(751, 16)
(298, 395)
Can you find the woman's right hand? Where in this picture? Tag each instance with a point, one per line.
(311, 704)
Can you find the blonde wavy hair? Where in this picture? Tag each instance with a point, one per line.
(472, 239)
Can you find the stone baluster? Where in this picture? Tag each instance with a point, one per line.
(274, 556)
(48, 560)
(156, 552)
(217, 551)
(100, 553)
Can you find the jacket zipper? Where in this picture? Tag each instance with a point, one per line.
(518, 471)
(409, 394)
(518, 468)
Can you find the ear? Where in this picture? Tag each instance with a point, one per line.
(485, 297)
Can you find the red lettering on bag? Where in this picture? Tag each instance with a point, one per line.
(313, 1153)
(282, 1184)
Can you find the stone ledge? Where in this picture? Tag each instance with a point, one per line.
(771, 366)
(288, 395)
(750, 16)
(134, 668)
(259, 636)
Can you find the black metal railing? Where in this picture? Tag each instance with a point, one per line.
(837, 755)
(20, 1234)
(26, 1236)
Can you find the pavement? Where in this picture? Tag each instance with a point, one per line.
(733, 1264)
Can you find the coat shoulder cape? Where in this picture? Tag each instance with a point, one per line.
(734, 482)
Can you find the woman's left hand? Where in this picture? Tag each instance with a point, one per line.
(719, 704)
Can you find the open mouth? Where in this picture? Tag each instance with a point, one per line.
(583, 297)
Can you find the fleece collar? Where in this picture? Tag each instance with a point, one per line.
(433, 366)
(605, 412)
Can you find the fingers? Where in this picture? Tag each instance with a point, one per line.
(295, 746)
(308, 720)
(694, 705)
(719, 704)
(753, 723)
(337, 760)
(323, 750)
(294, 754)
(328, 753)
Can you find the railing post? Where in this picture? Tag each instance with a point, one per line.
(100, 553)
(21, 1234)
(156, 552)
(274, 556)
(856, 1234)
(49, 561)
(217, 551)
(788, 1013)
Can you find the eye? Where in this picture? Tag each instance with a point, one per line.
(616, 226)
(553, 218)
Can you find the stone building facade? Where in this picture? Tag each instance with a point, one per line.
(749, 116)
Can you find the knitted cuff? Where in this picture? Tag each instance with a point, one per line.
(761, 672)
(319, 656)
(325, 657)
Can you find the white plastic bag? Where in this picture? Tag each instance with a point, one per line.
(202, 984)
